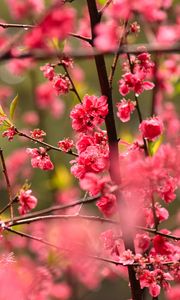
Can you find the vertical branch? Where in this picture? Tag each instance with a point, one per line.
(115, 60)
(95, 18)
(137, 105)
(105, 90)
(155, 90)
(7, 183)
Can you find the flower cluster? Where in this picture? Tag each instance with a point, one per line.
(89, 114)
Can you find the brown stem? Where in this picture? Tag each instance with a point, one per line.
(114, 64)
(155, 90)
(56, 208)
(7, 183)
(10, 25)
(32, 237)
(81, 37)
(101, 11)
(38, 217)
(48, 146)
(112, 138)
(72, 84)
(137, 104)
(131, 49)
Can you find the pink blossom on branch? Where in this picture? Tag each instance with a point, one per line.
(40, 159)
(26, 201)
(134, 82)
(151, 128)
(125, 108)
(58, 23)
(90, 113)
(66, 144)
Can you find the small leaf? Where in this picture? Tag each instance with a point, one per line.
(13, 107)
(154, 146)
(2, 113)
(102, 1)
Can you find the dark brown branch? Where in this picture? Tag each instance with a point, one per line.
(7, 183)
(131, 49)
(58, 217)
(57, 208)
(10, 25)
(32, 237)
(115, 60)
(27, 220)
(72, 84)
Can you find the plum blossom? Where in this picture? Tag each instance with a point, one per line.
(151, 128)
(61, 84)
(10, 133)
(48, 71)
(46, 98)
(90, 113)
(107, 204)
(40, 159)
(107, 35)
(125, 108)
(134, 82)
(66, 145)
(57, 23)
(26, 201)
(38, 134)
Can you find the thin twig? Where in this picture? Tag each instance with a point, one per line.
(72, 84)
(7, 183)
(115, 60)
(101, 11)
(137, 104)
(12, 25)
(32, 237)
(58, 208)
(48, 146)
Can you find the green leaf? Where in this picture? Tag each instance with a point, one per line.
(102, 1)
(13, 107)
(2, 113)
(154, 146)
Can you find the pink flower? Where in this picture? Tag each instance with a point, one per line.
(151, 128)
(154, 290)
(107, 36)
(47, 99)
(10, 133)
(31, 118)
(48, 71)
(38, 134)
(134, 82)
(59, 22)
(61, 84)
(127, 258)
(19, 66)
(107, 204)
(166, 189)
(92, 183)
(27, 201)
(142, 242)
(93, 159)
(90, 113)
(23, 9)
(66, 145)
(40, 159)
(125, 108)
